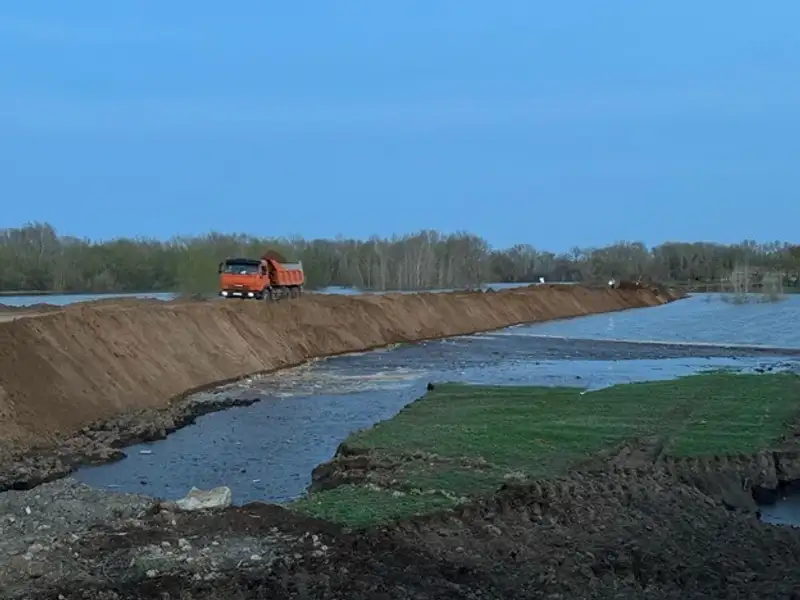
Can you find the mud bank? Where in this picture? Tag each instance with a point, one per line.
(101, 442)
(741, 483)
(617, 532)
(64, 372)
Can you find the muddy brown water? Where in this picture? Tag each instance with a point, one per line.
(267, 451)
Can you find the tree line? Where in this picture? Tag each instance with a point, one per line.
(35, 258)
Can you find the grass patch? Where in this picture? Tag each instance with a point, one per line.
(467, 440)
(360, 506)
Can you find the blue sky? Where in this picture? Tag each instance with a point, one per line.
(554, 124)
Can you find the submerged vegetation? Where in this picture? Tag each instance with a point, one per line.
(461, 440)
(746, 286)
(35, 258)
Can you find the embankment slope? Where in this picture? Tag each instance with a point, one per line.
(63, 370)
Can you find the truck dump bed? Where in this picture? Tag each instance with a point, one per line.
(286, 274)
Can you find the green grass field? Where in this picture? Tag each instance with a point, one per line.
(460, 441)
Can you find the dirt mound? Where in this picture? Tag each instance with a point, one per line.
(274, 255)
(66, 369)
(620, 533)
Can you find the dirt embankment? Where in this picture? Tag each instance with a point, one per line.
(64, 370)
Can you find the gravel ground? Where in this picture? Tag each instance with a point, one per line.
(65, 531)
(39, 528)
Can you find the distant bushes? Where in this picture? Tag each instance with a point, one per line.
(35, 258)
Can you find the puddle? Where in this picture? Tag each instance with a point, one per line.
(785, 511)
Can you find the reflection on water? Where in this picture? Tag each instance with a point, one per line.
(784, 512)
(700, 318)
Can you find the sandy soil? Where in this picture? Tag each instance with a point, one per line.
(67, 369)
(4, 317)
(10, 313)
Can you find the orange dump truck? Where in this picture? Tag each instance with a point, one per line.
(264, 279)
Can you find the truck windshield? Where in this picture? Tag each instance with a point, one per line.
(240, 269)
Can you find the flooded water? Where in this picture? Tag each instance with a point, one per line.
(267, 451)
(64, 299)
(784, 512)
(702, 318)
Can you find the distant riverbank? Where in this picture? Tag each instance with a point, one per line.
(22, 298)
(13, 293)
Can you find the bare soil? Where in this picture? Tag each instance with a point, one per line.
(611, 532)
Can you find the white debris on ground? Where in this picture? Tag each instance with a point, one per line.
(197, 499)
(205, 559)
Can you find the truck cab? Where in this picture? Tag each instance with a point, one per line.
(243, 278)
